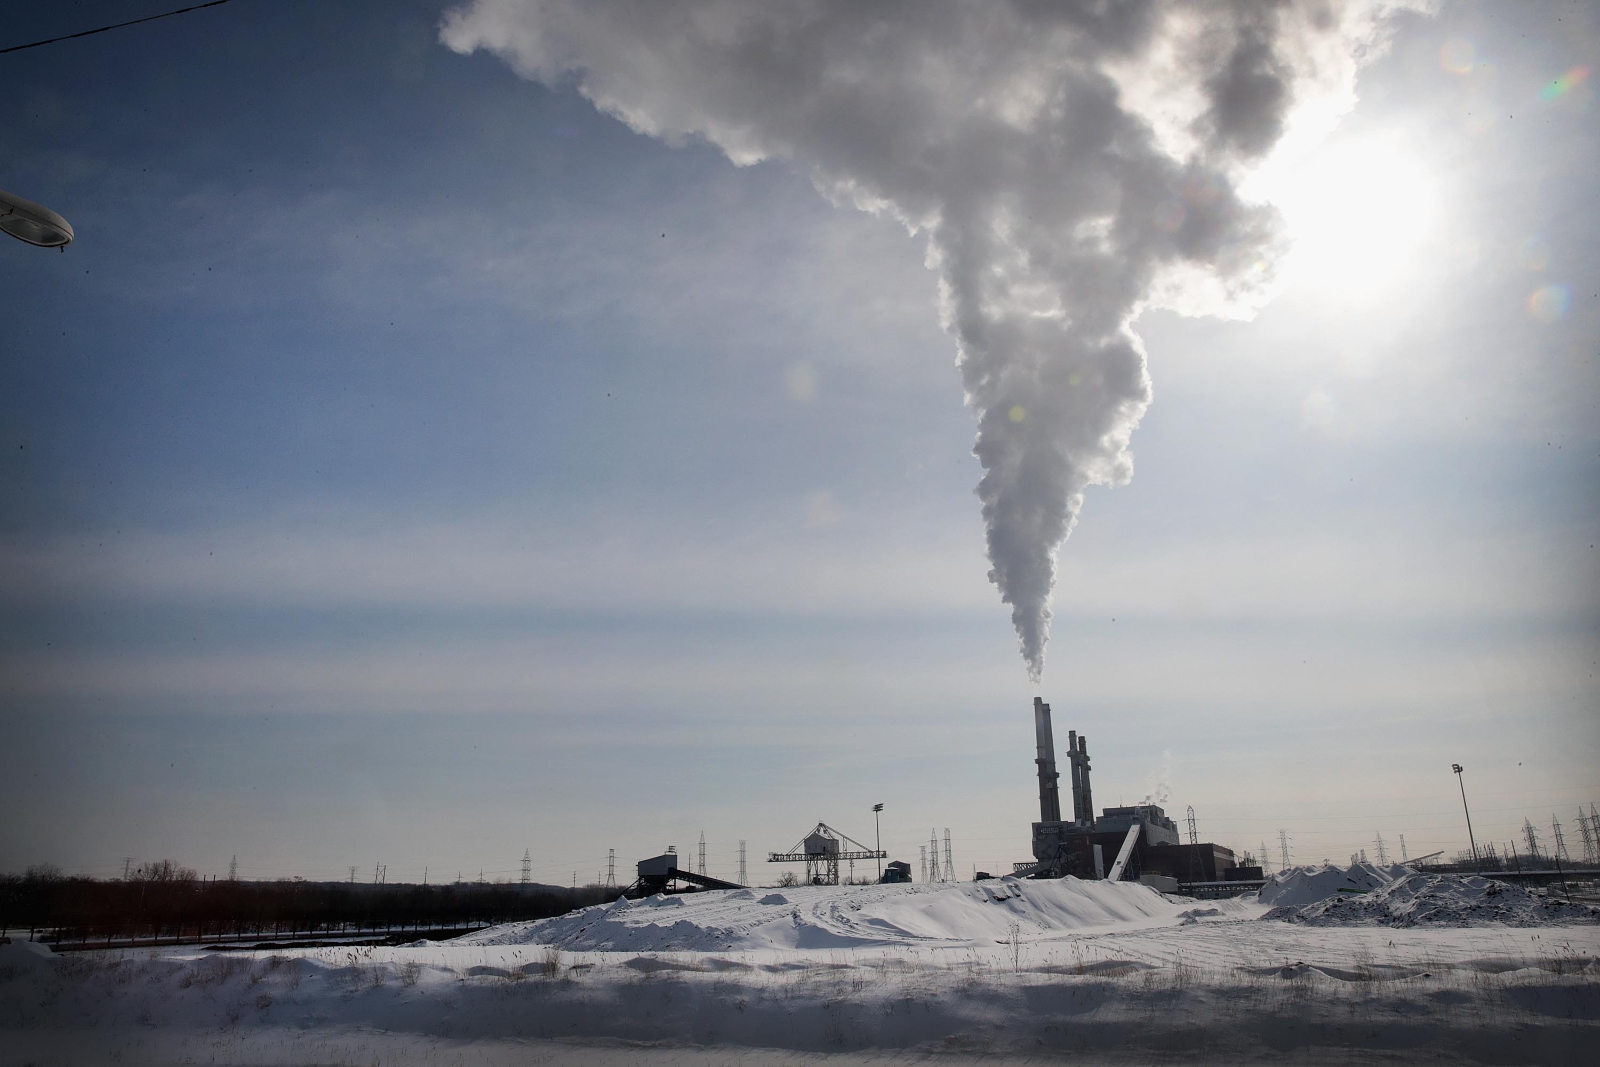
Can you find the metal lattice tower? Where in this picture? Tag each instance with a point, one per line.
(949, 864)
(1194, 835)
(1283, 846)
(743, 880)
(1588, 839)
(1561, 842)
(1383, 853)
(233, 870)
(934, 873)
(922, 853)
(352, 874)
(1531, 837)
(1403, 857)
(527, 865)
(611, 867)
(702, 852)
(1264, 855)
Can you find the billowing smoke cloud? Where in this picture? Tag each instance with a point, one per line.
(1068, 164)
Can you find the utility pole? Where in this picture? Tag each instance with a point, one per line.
(877, 810)
(1471, 839)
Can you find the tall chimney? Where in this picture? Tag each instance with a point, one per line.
(1049, 791)
(1077, 776)
(1081, 766)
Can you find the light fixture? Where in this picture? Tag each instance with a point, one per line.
(33, 223)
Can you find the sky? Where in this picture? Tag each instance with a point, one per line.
(411, 462)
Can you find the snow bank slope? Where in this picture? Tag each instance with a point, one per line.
(845, 916)
(1441, 899)
(1299, 886)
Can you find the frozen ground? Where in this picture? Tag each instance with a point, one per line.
(1004, 972)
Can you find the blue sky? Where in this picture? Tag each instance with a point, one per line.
(410, 463)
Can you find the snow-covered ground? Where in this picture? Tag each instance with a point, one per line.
(1004, 970)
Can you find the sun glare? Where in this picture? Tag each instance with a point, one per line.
(1359, 215)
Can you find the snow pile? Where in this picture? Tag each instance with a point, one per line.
(811, 917)
(1300, 886)
(1442, 900)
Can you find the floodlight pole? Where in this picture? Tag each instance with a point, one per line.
(877, 835)
(1462, 783)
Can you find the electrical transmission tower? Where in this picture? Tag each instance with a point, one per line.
(934, 874)
(949, 864)
(1264, 860)
(1194, 835)
(1383, 853)
(1588, 839)
(611, 867)
(1531, 838)
(702, 852)
(922, 858)
(1283, 846)
(1403, 857)
(233, 869)
(743, 879)
(1561, 842)
(527, 865)
(352, 874)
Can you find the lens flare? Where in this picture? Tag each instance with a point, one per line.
(1457, 56)
(1534, 253)
(1548, 303)
(1565, 84)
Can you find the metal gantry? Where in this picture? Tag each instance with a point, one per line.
(821, 850)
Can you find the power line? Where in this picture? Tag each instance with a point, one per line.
(117, 26)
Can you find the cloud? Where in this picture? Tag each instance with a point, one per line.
(1055, 203)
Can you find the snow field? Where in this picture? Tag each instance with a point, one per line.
(1046, 969)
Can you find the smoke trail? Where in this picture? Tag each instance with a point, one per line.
(1068, 165)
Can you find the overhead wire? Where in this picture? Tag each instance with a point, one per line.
(116, 26)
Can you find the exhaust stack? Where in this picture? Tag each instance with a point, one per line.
(1049, 790)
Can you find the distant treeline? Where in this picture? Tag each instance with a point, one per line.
(166, 901)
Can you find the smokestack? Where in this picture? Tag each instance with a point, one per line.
(1049, 791)
(1080, 762)
(1077, 776)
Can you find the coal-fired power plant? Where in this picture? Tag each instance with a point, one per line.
(1137, 842)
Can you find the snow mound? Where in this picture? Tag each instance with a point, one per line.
(1300, 886)
(1440, 900)
(813, 917)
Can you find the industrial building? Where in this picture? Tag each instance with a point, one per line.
(1138, 841)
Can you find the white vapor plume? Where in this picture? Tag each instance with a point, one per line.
(1068, 165)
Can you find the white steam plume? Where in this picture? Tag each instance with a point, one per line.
(1067, 163)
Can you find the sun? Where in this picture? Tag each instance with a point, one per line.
(1360, 214)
